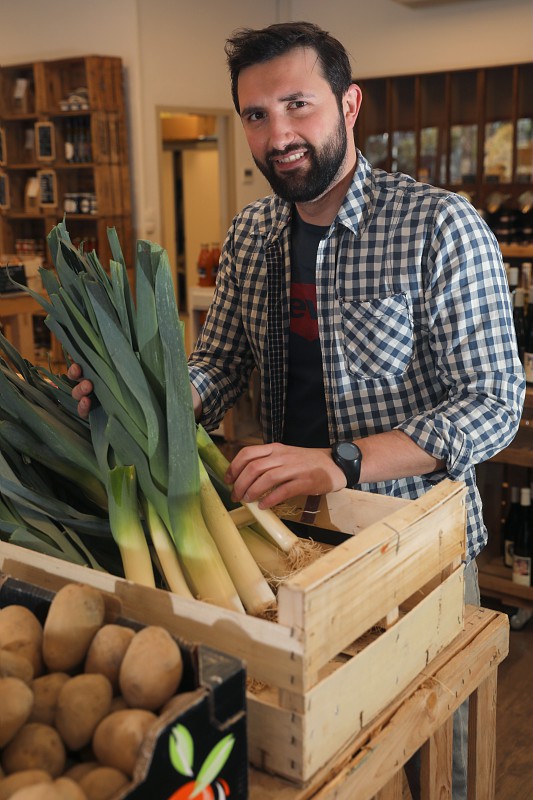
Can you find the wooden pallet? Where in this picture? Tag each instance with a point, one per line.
(330, 665)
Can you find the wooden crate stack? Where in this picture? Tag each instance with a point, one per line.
(354, 628)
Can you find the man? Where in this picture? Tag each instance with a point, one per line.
(375, 308)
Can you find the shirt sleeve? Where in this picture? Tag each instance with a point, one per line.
(471, 333)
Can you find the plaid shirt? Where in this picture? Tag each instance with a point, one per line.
(415, 325)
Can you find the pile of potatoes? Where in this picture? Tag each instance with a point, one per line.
(77, 698)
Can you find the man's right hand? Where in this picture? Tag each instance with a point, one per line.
(81, 391)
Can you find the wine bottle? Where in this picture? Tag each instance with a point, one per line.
(69, 142)
(523, 544)
(519, 320)
(514, 278)
(510, 526)
(528, 342)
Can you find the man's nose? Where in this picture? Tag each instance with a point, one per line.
(281, 134)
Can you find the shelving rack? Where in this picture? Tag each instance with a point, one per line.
(63, 149)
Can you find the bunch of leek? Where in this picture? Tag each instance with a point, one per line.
(47, 466)
(142, 429)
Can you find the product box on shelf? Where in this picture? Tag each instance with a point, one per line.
(353, 628)
(211, 708)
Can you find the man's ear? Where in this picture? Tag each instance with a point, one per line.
(351, 103)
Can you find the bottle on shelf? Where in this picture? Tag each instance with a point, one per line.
(513, 277)
(214, 257)
(69, 142)
(203, 266)
(519, 320)
(528, 344)
(510, 526)
(523, 544)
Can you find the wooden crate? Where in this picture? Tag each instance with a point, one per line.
(329, 664)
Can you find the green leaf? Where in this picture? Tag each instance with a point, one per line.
(213, 763)
(181, 750)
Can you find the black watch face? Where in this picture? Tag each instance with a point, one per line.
(347, 450)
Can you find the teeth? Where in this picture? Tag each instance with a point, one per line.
(288, 159)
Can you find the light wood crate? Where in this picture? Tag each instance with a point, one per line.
(354, 628)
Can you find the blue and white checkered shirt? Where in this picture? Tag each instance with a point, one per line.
(415, 326)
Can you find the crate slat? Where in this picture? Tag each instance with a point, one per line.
(317, 724)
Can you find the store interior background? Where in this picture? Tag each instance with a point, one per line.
(174, 63)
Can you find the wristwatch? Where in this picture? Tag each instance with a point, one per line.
(348, 457)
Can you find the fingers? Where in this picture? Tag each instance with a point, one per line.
(84, 407)
(274, 473)
(74, 372)
(81, 390)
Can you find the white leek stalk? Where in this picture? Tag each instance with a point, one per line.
(255, 593)
(126, 525)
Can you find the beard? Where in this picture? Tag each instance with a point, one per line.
(324, 166)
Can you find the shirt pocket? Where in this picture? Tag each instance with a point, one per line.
(378, 336)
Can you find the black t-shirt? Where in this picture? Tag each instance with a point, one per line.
(305, 413)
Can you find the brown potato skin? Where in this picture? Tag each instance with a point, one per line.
(118, 737)
(102, 783)
(18, 780)
(45, 691)
(22, 633)
(82, 702)
(107, 650)
(75, 615)
(77, 771)
(15, 665)
(151, 670)
(60, 789)
(35, 746)
(16, 701)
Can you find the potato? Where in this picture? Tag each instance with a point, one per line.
(82, 703)
(14, 665)
(75, 615)
(60, 789)
(151, 669)
(102, 783)
(16, 700)
(45, 691)
(22, 633)
(77, 771)
(35, 746)
(18, 780)
(118, 737)
(118, 703)
(107, 651)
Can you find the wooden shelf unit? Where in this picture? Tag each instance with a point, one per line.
(513, 466)
(439, 127)
(64, 151)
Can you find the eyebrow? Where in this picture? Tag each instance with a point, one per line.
(284, 99)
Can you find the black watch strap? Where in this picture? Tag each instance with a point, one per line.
(348, 457)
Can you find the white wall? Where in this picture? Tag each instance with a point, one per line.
(173, 53)
(385, 38)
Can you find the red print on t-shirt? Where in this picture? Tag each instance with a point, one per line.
(304, 320)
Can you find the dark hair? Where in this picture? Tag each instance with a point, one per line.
(248, 46)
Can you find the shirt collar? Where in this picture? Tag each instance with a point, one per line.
(354, 213)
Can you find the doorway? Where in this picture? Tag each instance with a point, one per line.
(197, 180)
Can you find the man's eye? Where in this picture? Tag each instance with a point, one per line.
(255, 116)
(298, 104)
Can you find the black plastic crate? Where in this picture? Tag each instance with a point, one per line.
(213, 707)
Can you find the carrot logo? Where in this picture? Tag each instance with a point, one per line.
(181, 750)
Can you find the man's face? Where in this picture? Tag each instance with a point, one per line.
(295, 130)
